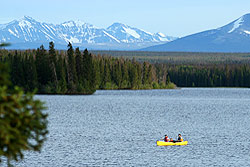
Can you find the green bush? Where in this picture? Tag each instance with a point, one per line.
(171, 86)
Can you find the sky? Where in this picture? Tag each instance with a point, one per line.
(172, 17)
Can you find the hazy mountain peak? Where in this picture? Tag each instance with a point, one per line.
(77, 23)
(117, 27)
(27, 18)
(233, 37)
(70, 23)
(80, 23)
(246, 17)
(237, 24)
(117, 24)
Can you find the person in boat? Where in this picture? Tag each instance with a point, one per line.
(171, 140)
(180, 139)
(166, 139)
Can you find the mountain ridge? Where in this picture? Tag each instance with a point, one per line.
(233, 37)
(117, 36)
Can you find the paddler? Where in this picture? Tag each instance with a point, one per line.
(166, 139)
(180, 139)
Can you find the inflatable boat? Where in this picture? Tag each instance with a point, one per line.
(163, 143)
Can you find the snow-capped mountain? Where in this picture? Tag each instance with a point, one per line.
(233, 37)
(29, 33)
(127, 34)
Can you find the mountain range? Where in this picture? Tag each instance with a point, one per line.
(233, 37)
(27, 33)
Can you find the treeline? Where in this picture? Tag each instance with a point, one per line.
(77, 72)
(181, 58)
(217, 75)
(191, 69)
(80, 72)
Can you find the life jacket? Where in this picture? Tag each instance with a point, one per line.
(171, 140)
(180, 138)
(166, 139)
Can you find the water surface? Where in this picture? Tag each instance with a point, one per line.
(120, 128)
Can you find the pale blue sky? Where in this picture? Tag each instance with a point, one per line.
(172, 17)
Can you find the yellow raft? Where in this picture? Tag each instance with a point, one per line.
(163, 143)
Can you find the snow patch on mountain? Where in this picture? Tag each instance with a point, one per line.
(131, 32)
(111, 36)
(79, 23)
(64, 37)
(51, 29)
(25, 23)
(237, 24)
(68, 24)
(247, 32)
(146, 32)
(12, 32)
(164, 39)
(74, 40)
(161, 34)
(49, 37)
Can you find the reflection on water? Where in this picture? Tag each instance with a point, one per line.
(120, 128)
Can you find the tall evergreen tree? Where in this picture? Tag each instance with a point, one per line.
(72, 75)
(88, 73)
(17, 71)
(43, 70)
(30, 73)
(107, 76)
(79, 65)
(52, 62)
(61, 74)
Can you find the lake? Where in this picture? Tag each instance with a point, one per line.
(120, 128)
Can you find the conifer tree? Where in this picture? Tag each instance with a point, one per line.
(150, 75)
(117, 73)
(52, 62)
(30, 73)
(43, 69)
(107, 76)
(125, 76)
(88, 73)
(61, 74)
(134, 76)
(72, 75)
(97, 72)
(17, 71)
(23, 126)
(79, 65)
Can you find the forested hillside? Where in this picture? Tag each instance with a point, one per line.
(180, 58)
(196, 69)
(77, 72)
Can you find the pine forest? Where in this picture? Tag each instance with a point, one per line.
(79, 72)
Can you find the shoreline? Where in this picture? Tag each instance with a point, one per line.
(178, 88)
